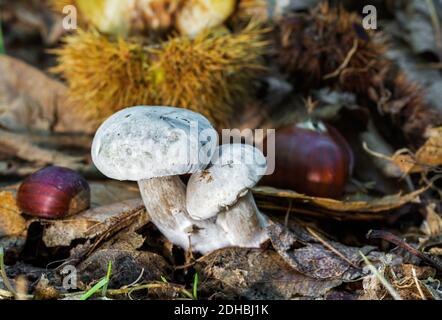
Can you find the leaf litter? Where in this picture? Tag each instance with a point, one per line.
(40, 125)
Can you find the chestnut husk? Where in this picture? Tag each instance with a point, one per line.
(312, 162)
(53, 192)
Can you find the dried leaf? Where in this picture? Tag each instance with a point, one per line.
(127, 267)
(30, 100)
(93, 222)
(432, 225)
(114, 205)
(315, 260)
(257, 274)
(427, 158)
(430, 154)
(12, 222)
(386, 203)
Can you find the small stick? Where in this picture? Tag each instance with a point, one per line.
(416, 280)
(331, 248)
(287, 215)
(388, 236)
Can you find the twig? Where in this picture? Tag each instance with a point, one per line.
(330, 247)
(388, 236)
(287, 215)
(381, 278)
(416, 280)
(126, 290)
(114, 292)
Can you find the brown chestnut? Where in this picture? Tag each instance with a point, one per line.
(311, 158)
(53, 192)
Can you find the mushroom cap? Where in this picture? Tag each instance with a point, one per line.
(234, 169)
(147, 142)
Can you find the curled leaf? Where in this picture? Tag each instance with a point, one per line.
(386, 203)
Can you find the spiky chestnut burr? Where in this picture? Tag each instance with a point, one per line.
(209, 74)
(329, 47)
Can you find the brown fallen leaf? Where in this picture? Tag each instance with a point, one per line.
(17, 145)
(258, 274)
(13, 226)
(432, 226)
(386, 203)
(128, 266)
(37, 122)
(314, 259)
(430, 154)
(30, 100)
(12, 222)
(93, 222)
(114, 205)
(427, 158)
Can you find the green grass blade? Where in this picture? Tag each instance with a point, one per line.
(94, 289)
(2, 44)
(109, 270)
(195, 286)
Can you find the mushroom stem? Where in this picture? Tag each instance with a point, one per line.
(165, 202)
(243, 223)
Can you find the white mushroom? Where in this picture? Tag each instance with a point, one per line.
(222, 191)
(153, 145)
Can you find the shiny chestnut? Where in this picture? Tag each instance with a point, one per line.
(311, 158)
(53, 192)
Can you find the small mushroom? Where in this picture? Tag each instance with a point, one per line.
(223, 191)
(154, 145)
